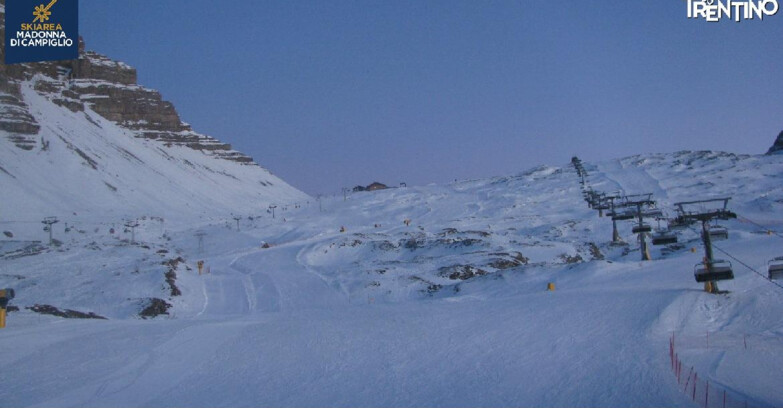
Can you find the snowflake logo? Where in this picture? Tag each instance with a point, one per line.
(42, 12)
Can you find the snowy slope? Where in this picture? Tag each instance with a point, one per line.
(94, 169)
(449, 311)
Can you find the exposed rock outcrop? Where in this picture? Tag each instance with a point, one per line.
(777, 147)
(107, 87)
(15, 117)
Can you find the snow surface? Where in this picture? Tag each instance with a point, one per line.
(368, 317)
(94, 170)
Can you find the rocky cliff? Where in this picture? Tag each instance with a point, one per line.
(777, 147)
(82, 139)
(109, 88)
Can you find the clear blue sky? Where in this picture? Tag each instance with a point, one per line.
(328, 94)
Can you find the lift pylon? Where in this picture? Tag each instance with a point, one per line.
(639, 207)
(609, 200)
(49, 221)
(132, 224)
(711, 270)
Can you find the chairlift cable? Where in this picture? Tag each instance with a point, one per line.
(741, 263)
(748, 266)
(760, 226)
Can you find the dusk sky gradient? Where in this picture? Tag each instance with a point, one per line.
(330, 94)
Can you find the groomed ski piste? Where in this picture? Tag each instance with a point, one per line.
(451, 311)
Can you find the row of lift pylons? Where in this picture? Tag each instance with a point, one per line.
(641, 207)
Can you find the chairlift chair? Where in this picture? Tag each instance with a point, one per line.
(718, 269)
(678, 223)
(638, 229)
(602, 206)
(776, 268)
(664, 237)
(624, 215)
(653, 213)
(718, 233)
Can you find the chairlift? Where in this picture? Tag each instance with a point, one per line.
(718, 269)
(678, 223)
(718, 233)
(664, 237)
(638, 229)
(776, 268)
(653, 213)
(628, 214)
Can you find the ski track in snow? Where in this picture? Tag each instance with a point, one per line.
(630, 179)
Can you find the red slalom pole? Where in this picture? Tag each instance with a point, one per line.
(688, 381)
(680, 362)
(679, 369)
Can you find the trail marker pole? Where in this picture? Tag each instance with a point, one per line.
(5, 296)
(707, 395)
(200, 235)
(708, 339)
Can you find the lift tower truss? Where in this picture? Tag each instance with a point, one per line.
(132, 224)
(607, 203)
(49, 221)
(639, 207)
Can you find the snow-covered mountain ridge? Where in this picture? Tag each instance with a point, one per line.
(83, 138)
(347, 304)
